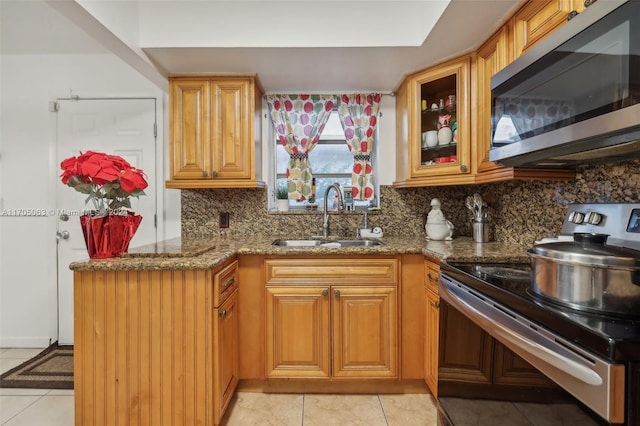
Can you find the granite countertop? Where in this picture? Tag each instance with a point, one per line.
(206, 253)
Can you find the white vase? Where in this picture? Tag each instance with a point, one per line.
(283, 205)
(445, 135)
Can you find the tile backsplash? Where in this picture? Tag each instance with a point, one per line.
(520, 211)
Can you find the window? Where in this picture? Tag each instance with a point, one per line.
(330, 161)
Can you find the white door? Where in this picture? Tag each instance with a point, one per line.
(124, 127)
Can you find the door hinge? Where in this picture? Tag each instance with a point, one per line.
(155, 130)
(54, 106)
(155, 220)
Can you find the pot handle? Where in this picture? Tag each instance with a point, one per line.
(590, 238)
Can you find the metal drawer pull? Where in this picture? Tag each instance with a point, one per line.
(222, 313)
(336, 292)
(325, 292)
(229, 282)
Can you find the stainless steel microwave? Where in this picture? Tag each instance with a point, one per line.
(574, 98)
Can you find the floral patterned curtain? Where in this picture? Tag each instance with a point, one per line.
(359, 117)
(299, 121)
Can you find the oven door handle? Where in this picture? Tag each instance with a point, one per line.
(495, 323)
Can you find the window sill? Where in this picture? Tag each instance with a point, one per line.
(304, 211)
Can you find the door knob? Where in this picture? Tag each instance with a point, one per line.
(325, 292)
(336, 292)
(64, 217)
(64, 235)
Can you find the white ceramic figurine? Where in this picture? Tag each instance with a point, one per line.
(437, 227)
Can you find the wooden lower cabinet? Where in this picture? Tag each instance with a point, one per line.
(151, 348)
(510, 369)
(431, 338)
(331, 331)
(225, 354)
(365, 336)
(461, 359)
(298, 332)
(431, 341)
(332, 318)
(474, 364)
(466, 351)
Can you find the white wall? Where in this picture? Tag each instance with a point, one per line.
(29, 175)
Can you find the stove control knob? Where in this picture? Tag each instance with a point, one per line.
(593, 218)
(576, 217)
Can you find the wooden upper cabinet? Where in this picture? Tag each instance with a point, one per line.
(190, 129)
(497, 52)
(537, 19)
(215, 131)
(445, 91)
(491, 58)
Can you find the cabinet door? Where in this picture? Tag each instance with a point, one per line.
(465, 349)
(439, 138)
(536, 19)
(297, 328)
(225, 354)
(230, 122)
(510, 369)
(365, 335)
(491, 58)
(190, 129)
(431, 339)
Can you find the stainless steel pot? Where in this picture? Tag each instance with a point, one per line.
(588, 275)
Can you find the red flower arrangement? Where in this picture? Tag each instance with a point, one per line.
(108, 180)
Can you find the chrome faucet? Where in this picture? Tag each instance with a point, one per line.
(325, 218)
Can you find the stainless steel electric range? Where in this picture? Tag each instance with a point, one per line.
(595, 356)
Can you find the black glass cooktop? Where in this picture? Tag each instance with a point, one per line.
(610, 337)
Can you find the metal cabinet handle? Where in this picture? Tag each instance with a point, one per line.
(463, 168)
(204, 173)
(336, 292)
(437, 304)
(229, 282)
(325, 292)
(64, 235)
(214, 173)
(222, 313)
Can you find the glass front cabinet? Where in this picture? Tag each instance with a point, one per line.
(433, 126)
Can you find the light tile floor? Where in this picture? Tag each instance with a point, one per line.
(43, 407)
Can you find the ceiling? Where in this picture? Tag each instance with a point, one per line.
(387, 38)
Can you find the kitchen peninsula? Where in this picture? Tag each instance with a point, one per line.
(167, 332)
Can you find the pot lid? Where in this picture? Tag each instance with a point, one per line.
(590, 250)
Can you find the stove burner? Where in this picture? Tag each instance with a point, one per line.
(503, 272)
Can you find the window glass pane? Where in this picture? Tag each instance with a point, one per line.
(330, 160)
(325, 158)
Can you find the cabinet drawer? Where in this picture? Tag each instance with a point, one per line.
(331, 271)
(431, 278)
(225, 282)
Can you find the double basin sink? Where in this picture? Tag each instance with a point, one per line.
(327, 243)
